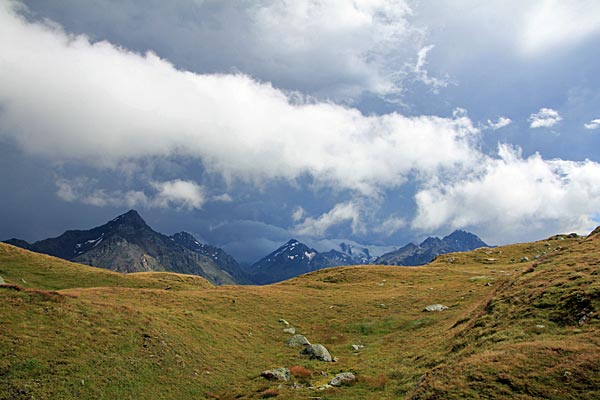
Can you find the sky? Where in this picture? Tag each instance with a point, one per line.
(247, 123)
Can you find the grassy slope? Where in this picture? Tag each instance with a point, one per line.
(107, 335)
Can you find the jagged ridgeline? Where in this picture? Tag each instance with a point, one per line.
(128, 244)
(512, 322)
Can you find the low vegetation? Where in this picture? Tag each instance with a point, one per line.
(521, 322)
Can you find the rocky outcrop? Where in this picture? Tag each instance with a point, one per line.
(318, 352)
(435, 307)
(298, 341)
(277, 374)
(344, 378)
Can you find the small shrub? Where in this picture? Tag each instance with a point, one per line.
(301, 373)
(269, 393)
(376, 383)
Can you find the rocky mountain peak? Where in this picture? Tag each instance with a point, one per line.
(131, 217)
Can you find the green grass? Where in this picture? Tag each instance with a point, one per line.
(73, 332)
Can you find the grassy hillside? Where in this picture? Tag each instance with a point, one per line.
(521, 323)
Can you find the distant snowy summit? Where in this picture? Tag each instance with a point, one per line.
(295, 258)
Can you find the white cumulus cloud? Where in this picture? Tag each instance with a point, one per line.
(500, 123)
(513, 197)
(545, 118)
(177, 194)
(340, 213)
(67, 98)
(593, 124)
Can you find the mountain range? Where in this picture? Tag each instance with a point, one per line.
(128, 244)
(413, 254)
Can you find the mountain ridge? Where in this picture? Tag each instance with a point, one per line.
(296, 258)
(413, 254)
(128, 244)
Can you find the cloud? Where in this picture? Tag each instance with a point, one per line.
(225, 198)
(500, 123)
(556, 23)
(178, 193)
(329, 49)
(545, 118)
(169, 194)
(298, 214)
(390, 226)
(69, 99)
(512, 197)
(340, 213)
(593, 124)
(422, 74)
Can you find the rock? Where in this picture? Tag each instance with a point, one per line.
(277, 374)
(435, 307)
(524, 259)
(1, 281)
(357, 347)
(345, 378)
(324, 387)
(317, 351)
(298, 340)
(291, 330)
(283, 321)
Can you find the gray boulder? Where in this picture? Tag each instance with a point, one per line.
(277, 374)
(345, 378)
(435, 307)
(298, 341)
(317, 351)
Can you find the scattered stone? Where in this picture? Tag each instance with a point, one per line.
(283, 321)
(525, 259)
(277, 374)
(435, 307)
(317, 351)
(488, 284)
(335, 359)
(1, 281)
(297, 341)
(357, 347)
(540, 326)
(345, 378)
(382, 305)
(324, 387)
(291, 330)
